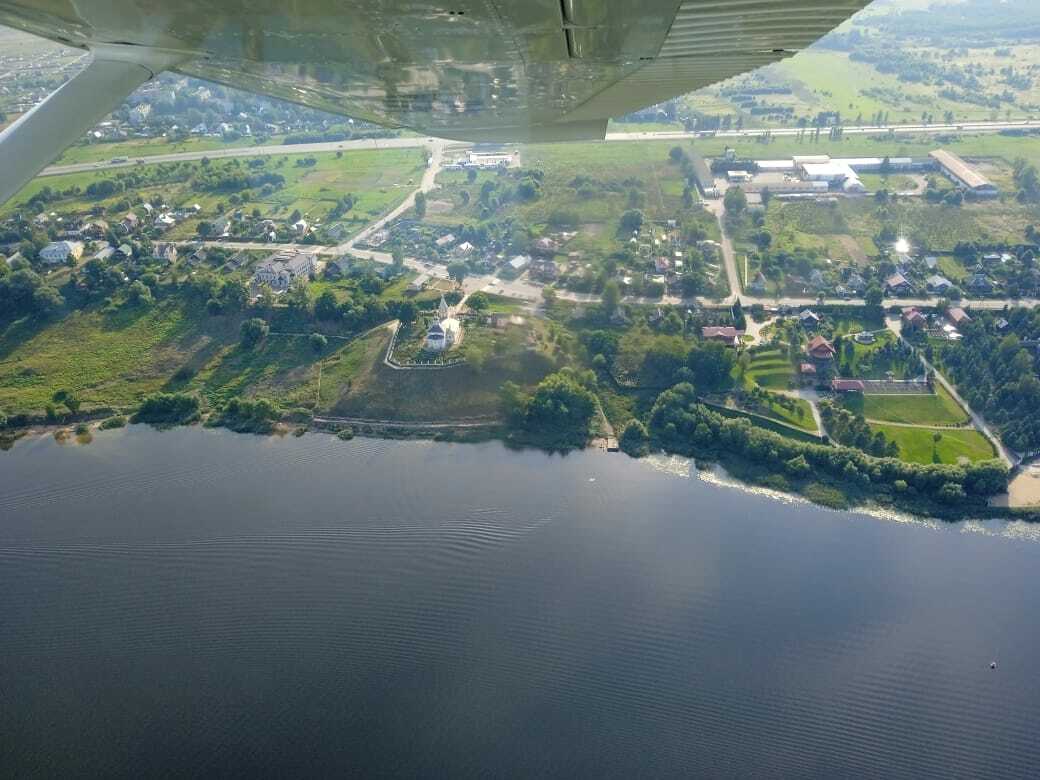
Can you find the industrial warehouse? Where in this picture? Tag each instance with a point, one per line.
(808, 176)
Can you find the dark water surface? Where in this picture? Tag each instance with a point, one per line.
(205, 604)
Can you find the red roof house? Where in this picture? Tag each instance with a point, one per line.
(847, 385)
(820, 349)
(727, 335)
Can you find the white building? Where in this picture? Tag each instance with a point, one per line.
(446, 332)
(139, 115)
(834, 172)
(520, 262)
(281, 270)
(489, 160)
(59, 252)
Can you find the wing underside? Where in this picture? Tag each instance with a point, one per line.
(481, 70)
(472, 69)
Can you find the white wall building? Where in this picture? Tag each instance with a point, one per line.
(446, 332)
(281, 270)
(59, 252)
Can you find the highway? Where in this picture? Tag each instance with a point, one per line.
(418, 141)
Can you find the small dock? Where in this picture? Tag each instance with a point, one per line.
(605, 438)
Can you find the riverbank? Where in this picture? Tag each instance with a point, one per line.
(819, 488)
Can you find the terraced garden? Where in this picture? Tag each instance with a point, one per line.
(770, 369)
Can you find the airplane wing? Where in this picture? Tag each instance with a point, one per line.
(482, 70)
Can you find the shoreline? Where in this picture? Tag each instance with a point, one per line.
(736, 473)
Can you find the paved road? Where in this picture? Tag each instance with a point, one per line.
(418, 141)
(247, 151)
(729, 256)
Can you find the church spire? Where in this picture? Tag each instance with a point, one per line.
(442, 310)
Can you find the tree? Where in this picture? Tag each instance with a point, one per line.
(46, 300)
(407, 312)
(298, 299)
(561, 407)
(397, 258)
(478, 301)
(611, 297)
(234, 295)
(318, 342)
(635, 439)
(739, 320)
(457, 271)
(138, 293)
(420, 205)
(873, 296)
(252, 332)
(632, 220)
(326, 307)
(265, 298)
(735, 201)
(712, 364)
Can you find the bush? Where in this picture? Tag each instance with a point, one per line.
(168, 409)
(253, 331)
(249, 416)
(318, 342)
(113, 422)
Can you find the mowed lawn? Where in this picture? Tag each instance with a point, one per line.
(800, 417)
(931, 409)
(916, 445)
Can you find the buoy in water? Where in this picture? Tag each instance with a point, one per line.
(992, 664)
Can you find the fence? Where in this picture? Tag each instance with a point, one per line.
(407, 365)
(895, 387)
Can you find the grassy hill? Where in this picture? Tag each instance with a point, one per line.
(359, 384)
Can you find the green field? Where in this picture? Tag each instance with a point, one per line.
(916, 444)
(379, 392)
(378, 179)
(116, 358)
(615, 170)
(805, 420)
(105, 359)
(938, 409)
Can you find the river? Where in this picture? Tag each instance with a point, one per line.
(199, 603)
